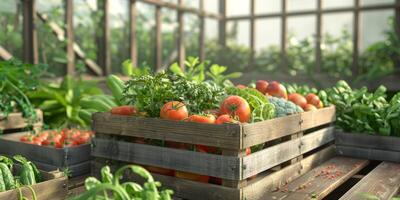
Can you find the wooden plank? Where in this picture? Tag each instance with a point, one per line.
(318, 117)
(260, 132)
(158, 46)
(69, 34)
(17, 121)
(382, 182)
(225, 136)
(275, 155)
(235, 183)
(272, 182)
(30, 44)
(318, 38)
(104, 57)
(284, 63)
(319, 182)
(371, 154)
(366, 141)
(4, 54)
(59, 33)
(252, 35)
(132, 24)
(227, 167)
(181, 39)
(222, 23)
(202, 34)
(356, 36)
(314, 12)
(182, 188)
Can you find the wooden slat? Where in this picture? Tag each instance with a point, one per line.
(225, 136)
(181, 39)
(222, 23)
(182, 8)
(59, 33)
(314, 12)
(371, 154)
(158, 46)
(69, 34)
(284, 63)
(4, 54)
(318, 37)
(366, 141)
(265, 185)
(319, 182)
(275, 155)
(202, 34)
(30, 44)
(227, 167)
(318, 117)
(17, 121)
(252, 35)
(238, 154)
(382, 182)
(132, 25)
(104, 57)
(182, 188)
(356, 36)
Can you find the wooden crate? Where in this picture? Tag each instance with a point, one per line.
(53, 187)
(343, 178)
(76, 159)
(16, 123)
(372, 147)
(288, 140)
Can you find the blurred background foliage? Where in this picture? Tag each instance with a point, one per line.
(377, 60)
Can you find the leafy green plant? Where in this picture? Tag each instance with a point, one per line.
(194, 69)
(110, 187)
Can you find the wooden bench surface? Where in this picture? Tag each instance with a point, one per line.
(319, 182)
(381, 183)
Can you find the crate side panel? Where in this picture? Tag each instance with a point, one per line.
(367, 141)
(370, 154)
(16, 121)
(201, 163)
(318, 117)
(225, 136)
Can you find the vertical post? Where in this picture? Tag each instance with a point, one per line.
(252, 34)
(132, 23)
(158, 47)
(318, 38)
(283, 35)
(397, 28)
(202, 31)
(30, 44)
(69, 31)
(181, 45)
(234, 183)
(104, 53)
(222, 23)
(356, 36)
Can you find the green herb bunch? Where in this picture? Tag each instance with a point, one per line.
(16, 79)
(150, 92)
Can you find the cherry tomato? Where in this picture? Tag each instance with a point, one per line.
(207, 119)
(174, 110)
(236, 106)
(225, 119)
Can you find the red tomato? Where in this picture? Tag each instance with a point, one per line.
(248, 151)
(262, 85)
(72, 143)
(297, 99)
(313, 99)
(207, 119)
(123, 110)
(192, 176)
(276, 89)
(236, 106)
(225, 119)
(240, 86)
(309, 107)
(83, 138)
(26, 138)
(59, 145)
(174, 110)
(46, 142)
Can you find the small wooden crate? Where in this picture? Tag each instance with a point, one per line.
(76, 159)
(53, 187)
(294, 144)
(16, 123)
(372, 147)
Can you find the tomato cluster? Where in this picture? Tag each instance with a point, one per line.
(59, 139)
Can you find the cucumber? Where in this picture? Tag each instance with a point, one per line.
(7, 176)
(106, 99)
(95, 104)
(85, 115)
(116, 85)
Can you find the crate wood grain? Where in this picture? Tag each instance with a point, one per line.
(227, 136)
(372, 147)
(227, 167)
(76, 159)
(322, 180)
(255, 188)
(15, 121)
(53, 187)
(383, 182)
